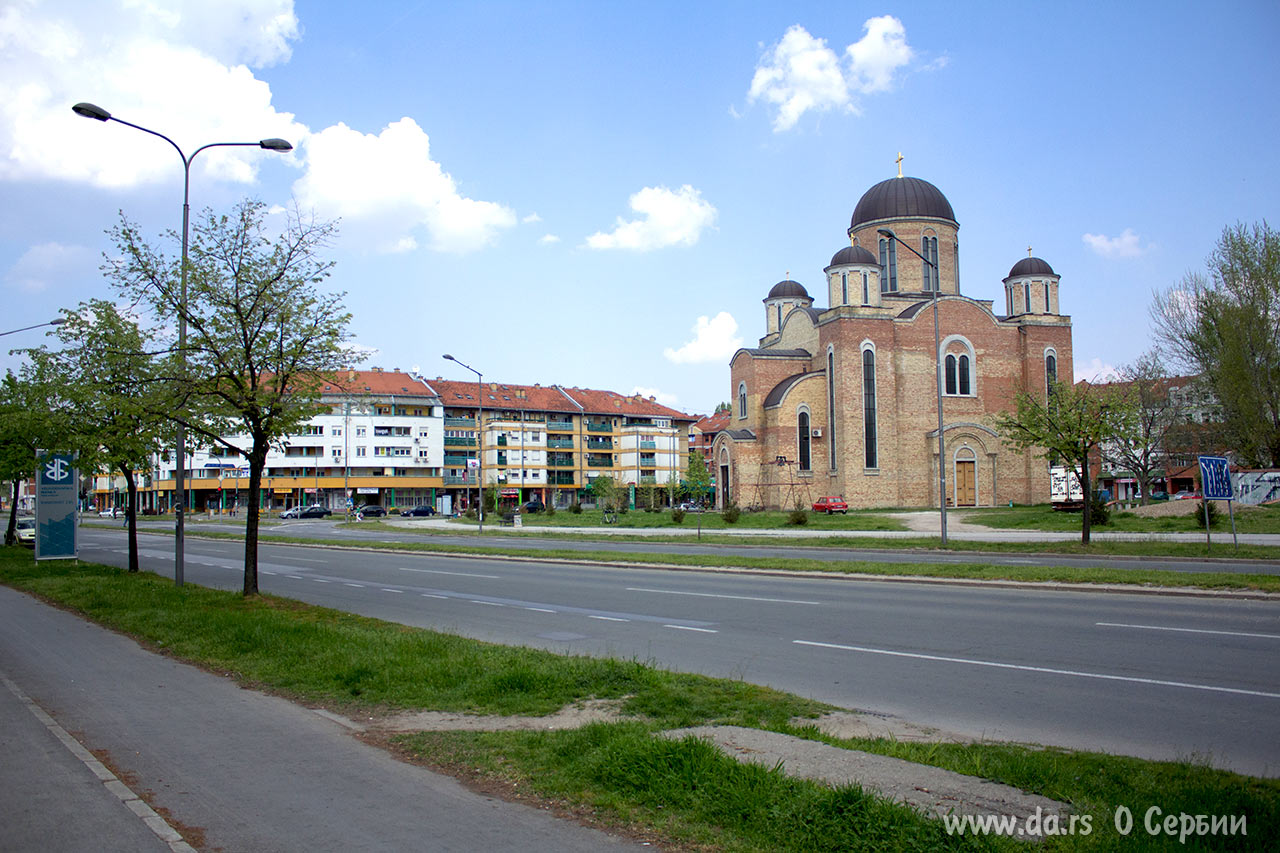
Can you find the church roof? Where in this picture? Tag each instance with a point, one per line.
(1031, 266)
(902, 198)
(788, 289)
(853, 255)
(778, 353)
(774, 398)
(740, 434)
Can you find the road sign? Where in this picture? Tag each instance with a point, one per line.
(57, 490)
(1215, 478)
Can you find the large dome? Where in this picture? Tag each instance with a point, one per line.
(1031, 266)
(902, 198)
(788, 289)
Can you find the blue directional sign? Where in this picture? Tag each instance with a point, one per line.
(1215, 478)
(57, 490)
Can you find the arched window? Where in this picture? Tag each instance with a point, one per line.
(955, 255)
(831, 406)
(958, 366)
(929, 251)
(1050, 371)
(1047, 310)
(1026, 298)
(779, 316)
(951, 374)
(869, 407)
(866, 291)
(802, 439)
(742, 400)
(844, 288)
(964, 375)
(888, 266)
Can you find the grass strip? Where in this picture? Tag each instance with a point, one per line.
(681, 792)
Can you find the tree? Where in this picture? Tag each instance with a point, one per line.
(262, 339)
(696, 476)
(604, 491)
(28, 423)
(723, 407)
(1225, 326)
(115, 406)
(1064, 426)
(1140, 443)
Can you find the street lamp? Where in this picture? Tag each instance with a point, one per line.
(479, 438)
(179, 479)
(937, 347)
(57, 322)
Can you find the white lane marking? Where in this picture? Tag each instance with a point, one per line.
(1024, 562)
(441, 597)
(269, 573)
(459, 574)
(716, 595)
(319, 580)
(294, 577)
(608, 618)
(539, 610)
(304, 559)
(490, 603)
(396, 591)
(687, 628)
(1188, 630)
(356, 585)
(1045, 669)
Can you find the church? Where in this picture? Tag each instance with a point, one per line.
(844, 400)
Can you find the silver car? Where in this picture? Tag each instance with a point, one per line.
(27, 531)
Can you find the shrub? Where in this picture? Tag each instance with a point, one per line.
(798, 517)
(1099, 513)
(677, 516)
(731, 514)
(1215, 514)
(575, 508)
(549, 511)
(470, 513)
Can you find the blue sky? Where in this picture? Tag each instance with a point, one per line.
(600, 194)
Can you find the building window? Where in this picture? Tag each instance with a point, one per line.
(888, 266)
(337, 431)
(1026, 298)
(1046, 298)
(802, 438)
(929, 266)
(844, 288)
(1050, 371)
(742, 400)
(866, 292)
(359, 451)
(964, 375)
(831, 405)
(359, 432)
(955, 260)
(869, 406)
(951, 374)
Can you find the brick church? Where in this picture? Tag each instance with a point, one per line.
(843, 400)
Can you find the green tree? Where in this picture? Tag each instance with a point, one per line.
(262, 338)
(30, 421)
(1225, 326)
(1065, 426)
(1142, 425)
(696, 476)
(113, 402)
(604, 491)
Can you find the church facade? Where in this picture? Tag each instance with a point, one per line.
(843, 400)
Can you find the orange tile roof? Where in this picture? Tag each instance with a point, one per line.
(611, 403)
(499, 395)
(388, 382)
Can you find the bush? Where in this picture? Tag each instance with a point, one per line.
(470, 513)
(1099, 513)
(731, 514)
(575, 508)
(798, 517)
(1215, 514)
(677, 516)
(549, 511)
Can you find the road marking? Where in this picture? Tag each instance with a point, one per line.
(294, 577)
(265, 572)
(490, 603)
(319, 580)
(1024, 562)
(396, 591)
(608, 618)
(1045, 669)
(459, 574)
(1188, 630)
(539, 610)
(716, 595)
(305, 559)
(356, 585)
(441, 597)
(687, 628)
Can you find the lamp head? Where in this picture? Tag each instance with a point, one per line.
(275, 144)
(885, 232)
(90, 111)
(449, 357)
(58, 322)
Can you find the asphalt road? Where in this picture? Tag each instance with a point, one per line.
(1153, 676)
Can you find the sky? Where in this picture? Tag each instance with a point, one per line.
(601, 194)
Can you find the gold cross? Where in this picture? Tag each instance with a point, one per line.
(1028, 251)
(899, 164)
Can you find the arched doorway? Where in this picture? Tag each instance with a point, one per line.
(722, 480)
(965, 492)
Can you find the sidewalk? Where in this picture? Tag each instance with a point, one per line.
(232, 768)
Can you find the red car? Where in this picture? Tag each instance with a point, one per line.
(830, 504)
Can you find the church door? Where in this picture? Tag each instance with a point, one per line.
(966, 483)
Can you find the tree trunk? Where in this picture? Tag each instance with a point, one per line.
(257, 458)
(1088, 497)
(11, 531)
(131, 516)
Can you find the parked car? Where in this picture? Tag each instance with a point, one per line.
(690, 506)
(830, 504)
(1186, 495)
(292, 512)
(315, 512)
(534, 505)
(1160, 496)
(372, 511)
(419, 511)
(27, 531)
(113, 512)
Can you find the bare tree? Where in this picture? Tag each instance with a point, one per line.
(1144, 421)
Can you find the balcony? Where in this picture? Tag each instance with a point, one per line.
(599, 428)
(456, 461)
(599, 444)
(450, 480)
(459, 441)
(502, 459)
(560, 478)
(559, 426)
(466, 423)
(648, 479)
(648, 445)
(600, 463)
(561, 463)
(502, 441)
(560, 443)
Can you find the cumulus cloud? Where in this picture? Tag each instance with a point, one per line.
(1124, 246)
(50, 264)
(714, 340)
(532, 217)
(1095, 370)
(801, 73)
(548, 239)
(660, 396)
(667, 219)
(386, 187)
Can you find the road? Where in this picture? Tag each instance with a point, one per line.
(1153, 676)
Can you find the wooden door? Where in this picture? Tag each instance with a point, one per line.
(966, 484)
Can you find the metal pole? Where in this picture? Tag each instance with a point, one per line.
(480, 447)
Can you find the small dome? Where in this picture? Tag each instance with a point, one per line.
(902, 198)
(853, 255)
(788, 289)
(1030, 266)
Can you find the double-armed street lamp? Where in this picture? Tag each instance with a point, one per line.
(180, 497)
(58, 322)
(937, 348)
(479, 438)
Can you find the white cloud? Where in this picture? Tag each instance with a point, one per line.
(532, 217)
(1096, 370)
(385, 187)
(801, 73)
(668, 219)
(660, 396)
(714, 340)
(51, 264)
(1124, 246)
(548, 239)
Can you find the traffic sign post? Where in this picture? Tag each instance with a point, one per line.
(1215, 485)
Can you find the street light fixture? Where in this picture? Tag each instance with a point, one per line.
(937, 348)
(179, 480)
(479, 438)
(57, 322)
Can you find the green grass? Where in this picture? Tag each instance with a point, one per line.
(1261, 519)
(764, 520)
(676, 792)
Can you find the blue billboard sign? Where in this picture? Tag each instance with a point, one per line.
(57, 493)
(1215, 478)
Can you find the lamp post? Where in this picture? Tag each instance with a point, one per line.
(57, 322)
(479, 438)
(937, 348)
(179, 478)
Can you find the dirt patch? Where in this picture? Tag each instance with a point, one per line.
(853, 724)
(570, 717)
